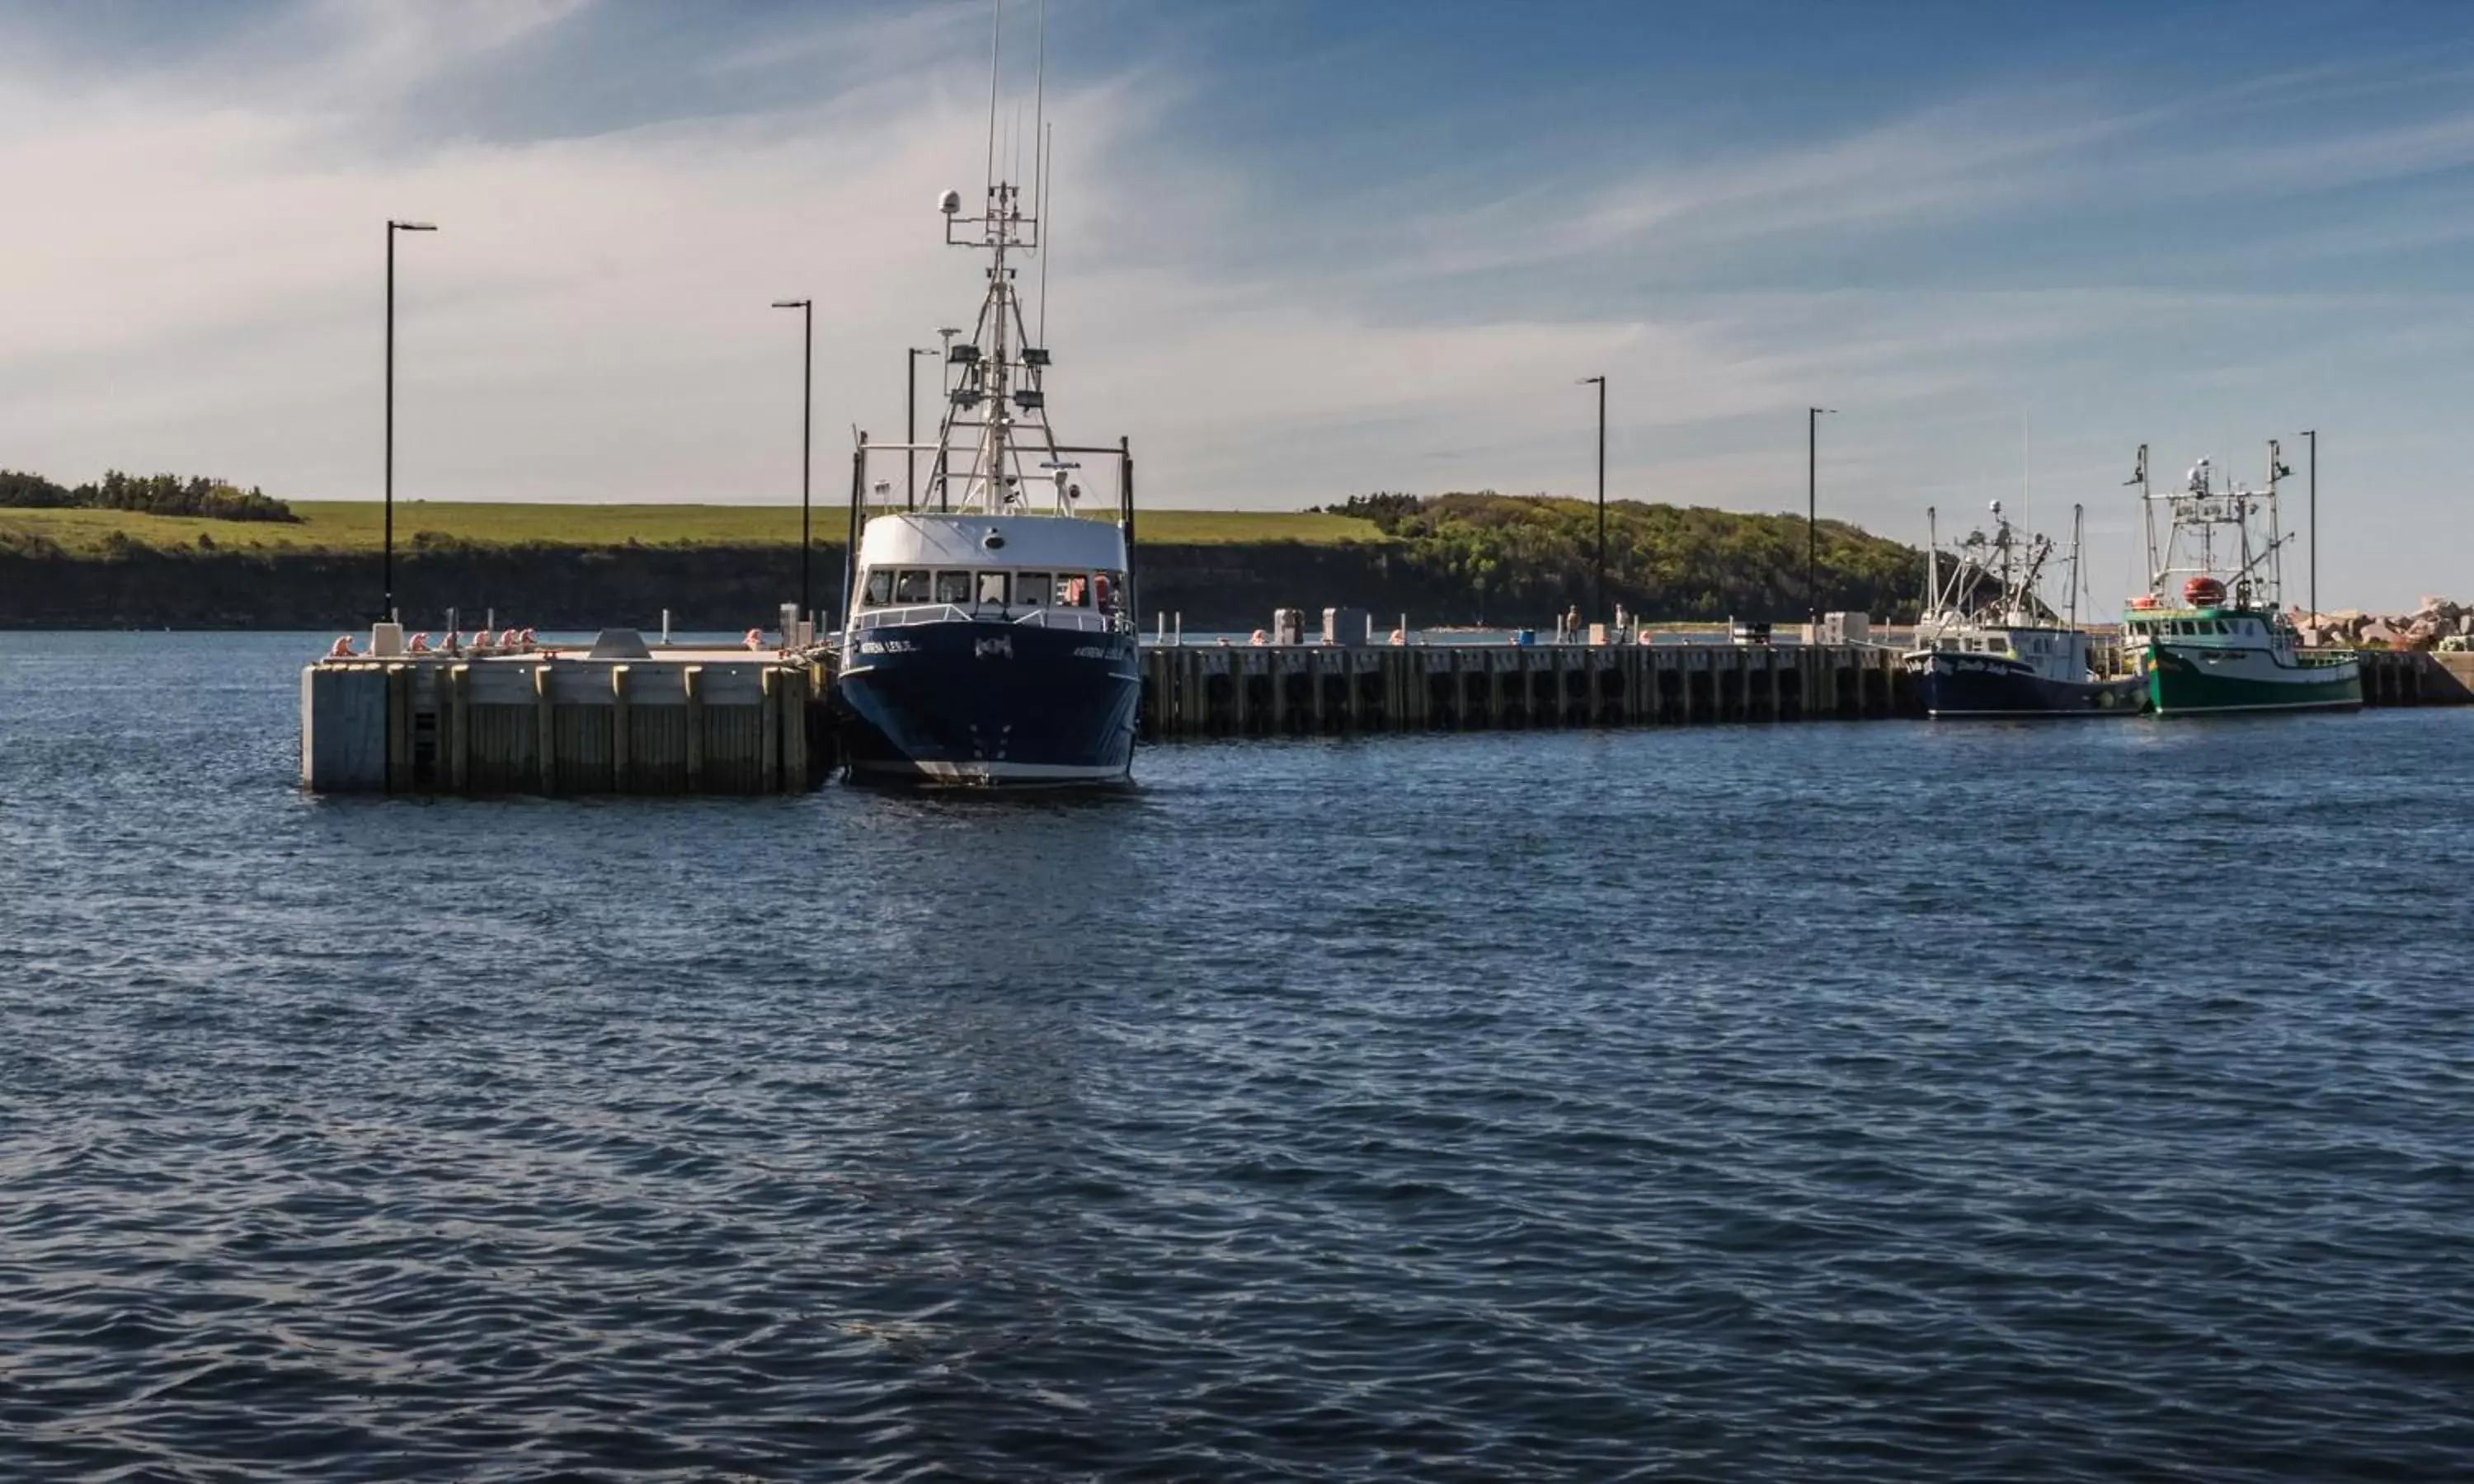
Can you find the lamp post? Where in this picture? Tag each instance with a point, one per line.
(386, 576)
(1812, 512)
(1598, 591)
(911, 428)
(807, 431)
(2313, 434)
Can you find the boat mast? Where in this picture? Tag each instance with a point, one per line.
(1932, 563)
(2276, 471)
(2078, 534)
(998, 399)
(2147, 514)
(2001, 543)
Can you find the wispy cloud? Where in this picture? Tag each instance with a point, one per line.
(622, 189)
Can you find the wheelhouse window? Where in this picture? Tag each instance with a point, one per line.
(953, 586)
(880, 588)
(1073, 590)
(992, 588)
(1031, 588)
(910, 585)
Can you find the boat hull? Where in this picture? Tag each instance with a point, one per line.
(1956, 685)
(989, 704)
(2191, 681)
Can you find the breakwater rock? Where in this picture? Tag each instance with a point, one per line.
(2436, 623)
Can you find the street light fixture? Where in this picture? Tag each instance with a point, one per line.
(1812, 512)
(1598, 591)
(807, 435)
(386, 601)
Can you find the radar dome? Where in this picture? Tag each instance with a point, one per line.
(950, 202)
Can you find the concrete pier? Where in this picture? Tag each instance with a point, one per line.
(624, 717)
(566, 720)
(1298, 689)
(1288, 690)
(2416, 678)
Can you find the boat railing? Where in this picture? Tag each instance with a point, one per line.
(1076, 619)
(910, 614)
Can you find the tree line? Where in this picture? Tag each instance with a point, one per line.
(1538, 553)
(152, 494)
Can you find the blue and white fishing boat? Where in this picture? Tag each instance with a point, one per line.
(990, 637)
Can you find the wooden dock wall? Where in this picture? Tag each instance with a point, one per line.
(564, 726)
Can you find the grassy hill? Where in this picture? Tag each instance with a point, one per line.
(344, 526)
(1447, 558)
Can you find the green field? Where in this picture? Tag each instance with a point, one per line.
(355, 526)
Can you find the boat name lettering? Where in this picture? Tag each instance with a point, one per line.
(1093, 652)
(887, 647)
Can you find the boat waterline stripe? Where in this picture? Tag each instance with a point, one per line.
(2262, 706)
(994, 772)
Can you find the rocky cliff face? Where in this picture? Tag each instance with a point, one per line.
(1215, 587)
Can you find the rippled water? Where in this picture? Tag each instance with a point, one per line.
(1878, 1101)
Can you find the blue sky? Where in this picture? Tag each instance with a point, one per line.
(1304, 248)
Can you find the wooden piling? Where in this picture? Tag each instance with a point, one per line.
(691, 681)
(623, 744)
(768, 743)
(544, 730)
(459, 729)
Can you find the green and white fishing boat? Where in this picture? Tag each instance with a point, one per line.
(2211, 634)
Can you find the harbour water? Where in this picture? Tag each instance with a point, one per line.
(1887, 1101)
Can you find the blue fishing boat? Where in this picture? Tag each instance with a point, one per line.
(1990, 645)
(990, 637)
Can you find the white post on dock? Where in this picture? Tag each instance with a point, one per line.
(1180, 630)
(665, 626)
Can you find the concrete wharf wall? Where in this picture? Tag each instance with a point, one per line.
(1214, 690)
(1287, 689)
(564, 724)
(743, 723)
(2416, 678)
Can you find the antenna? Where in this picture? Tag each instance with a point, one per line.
(1038, 132)
(996, 44)
(1047, 167)
(2025, 508)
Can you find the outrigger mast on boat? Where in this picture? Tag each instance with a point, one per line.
(995, 452)
(2201, 518)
